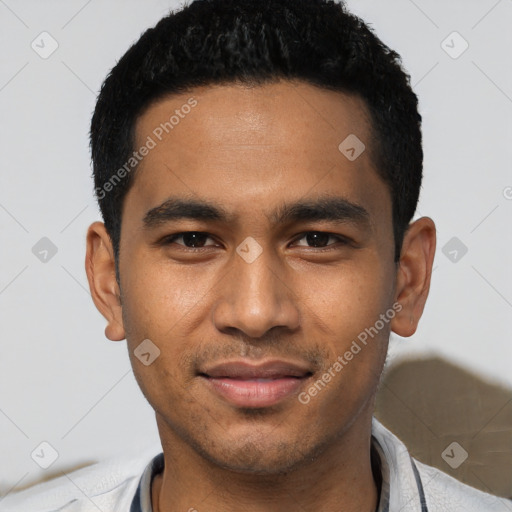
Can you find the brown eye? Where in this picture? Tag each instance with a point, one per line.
(190, 239)
(319, 239)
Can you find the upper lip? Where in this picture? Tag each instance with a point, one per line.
(267, 370)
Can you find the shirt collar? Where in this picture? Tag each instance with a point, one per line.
(142, 499)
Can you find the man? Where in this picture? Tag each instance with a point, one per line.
(258, 165)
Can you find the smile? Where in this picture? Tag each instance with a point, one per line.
(264, 385)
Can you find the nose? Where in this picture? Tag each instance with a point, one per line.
(255, 297)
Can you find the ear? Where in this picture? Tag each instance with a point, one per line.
(413, 275)
(101, 274)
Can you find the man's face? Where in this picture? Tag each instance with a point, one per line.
(206, 299)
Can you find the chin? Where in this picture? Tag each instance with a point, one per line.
(258, 461)
(261, 453)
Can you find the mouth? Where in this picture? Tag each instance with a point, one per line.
(255, 386)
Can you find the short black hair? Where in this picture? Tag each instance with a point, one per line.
(212, 42)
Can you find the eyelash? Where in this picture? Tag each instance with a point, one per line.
(168, 240)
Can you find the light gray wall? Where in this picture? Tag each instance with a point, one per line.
(61, 380)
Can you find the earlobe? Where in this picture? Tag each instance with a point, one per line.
(413, 275)
(100, 269)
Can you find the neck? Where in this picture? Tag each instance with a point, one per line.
(338, 478)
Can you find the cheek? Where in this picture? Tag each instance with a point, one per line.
(350, 299)
(160, 297)
(350, 306)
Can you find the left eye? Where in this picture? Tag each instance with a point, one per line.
(320, 239)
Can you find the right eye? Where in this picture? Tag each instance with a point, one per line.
(189, 239)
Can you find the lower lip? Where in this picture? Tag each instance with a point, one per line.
(252, 393)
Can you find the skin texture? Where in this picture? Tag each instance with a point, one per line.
(253, 150)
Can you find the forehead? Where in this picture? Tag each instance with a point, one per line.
(242, 146)
(235, 115)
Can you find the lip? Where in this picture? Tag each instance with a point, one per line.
(248, 385)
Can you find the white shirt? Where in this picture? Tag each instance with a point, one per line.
(123, 484)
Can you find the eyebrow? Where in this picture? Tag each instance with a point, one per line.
(329, 208)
